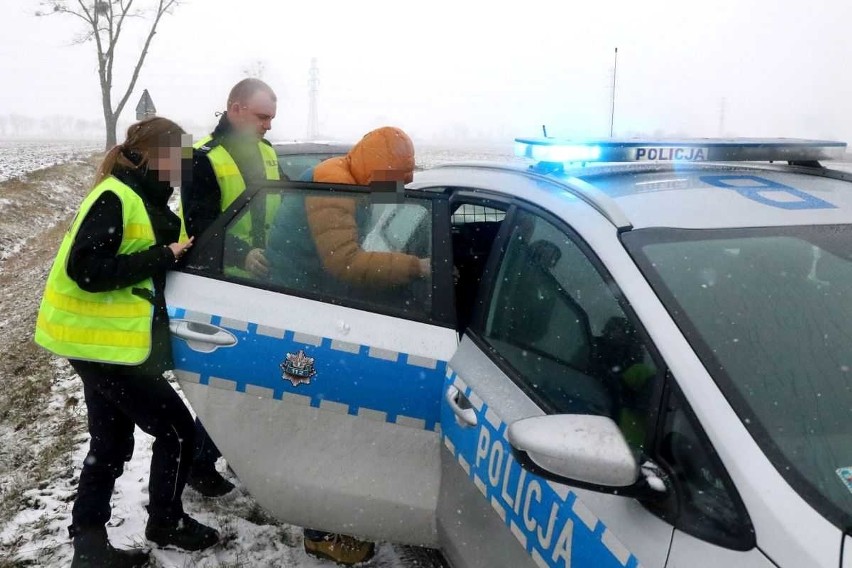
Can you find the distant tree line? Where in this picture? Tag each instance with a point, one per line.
(66, 127)
(53, 127)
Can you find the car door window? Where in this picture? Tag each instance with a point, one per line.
(471, 213)
(474, 229)
(294, 166)
(336, 246)
(554, 319)
(708, 506)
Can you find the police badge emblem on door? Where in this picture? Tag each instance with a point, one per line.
(298, 369)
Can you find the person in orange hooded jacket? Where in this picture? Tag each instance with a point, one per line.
(330, 248)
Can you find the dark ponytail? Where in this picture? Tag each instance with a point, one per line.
(108, 164)
(135, 152)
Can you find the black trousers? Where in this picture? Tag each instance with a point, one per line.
(117, 402)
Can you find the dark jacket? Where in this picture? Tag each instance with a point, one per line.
(95, 265)
(201, 196)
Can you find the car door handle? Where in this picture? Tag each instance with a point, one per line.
(202, 337)
(465, 415)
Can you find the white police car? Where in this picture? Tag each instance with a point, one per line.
(615, 365)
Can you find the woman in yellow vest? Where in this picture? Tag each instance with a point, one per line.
(104, 309)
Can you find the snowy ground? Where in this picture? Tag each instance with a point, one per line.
(18, 158)
(249, 536)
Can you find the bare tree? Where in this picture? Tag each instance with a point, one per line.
(104, 22)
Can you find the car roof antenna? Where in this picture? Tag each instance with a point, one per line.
(544, 130)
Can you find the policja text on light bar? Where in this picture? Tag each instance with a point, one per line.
(550, 150)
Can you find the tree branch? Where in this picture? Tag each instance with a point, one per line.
(93, 20)
(89, 17)
(83, 38)
(124, 11)
(111, 26)
(110, 53)
(164, 6)
(62, 9)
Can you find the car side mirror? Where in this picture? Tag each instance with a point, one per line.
(576, 447)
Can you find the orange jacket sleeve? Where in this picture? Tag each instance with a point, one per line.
(335, 232)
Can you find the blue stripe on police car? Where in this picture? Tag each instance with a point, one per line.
(547, 519)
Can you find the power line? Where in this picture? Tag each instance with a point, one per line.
(313, 91)
(612, 98)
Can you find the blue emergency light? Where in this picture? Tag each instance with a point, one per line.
(556, 151)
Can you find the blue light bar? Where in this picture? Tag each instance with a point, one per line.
(555, 151)
(558, 153)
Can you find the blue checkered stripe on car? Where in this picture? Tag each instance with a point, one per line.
(547, 519)
(358, 380)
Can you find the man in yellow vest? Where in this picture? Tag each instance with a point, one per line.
(233, 157)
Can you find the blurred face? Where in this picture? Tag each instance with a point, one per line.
(255, 116)
(405, 176)
(167, 158)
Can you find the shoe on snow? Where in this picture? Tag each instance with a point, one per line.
(186, 534)
(210, 484)
(93, 550)
(345, 550)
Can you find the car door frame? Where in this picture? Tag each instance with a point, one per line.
(745, 550)
(442, 306)
(574, 495)
(206, 262)
(488, 288)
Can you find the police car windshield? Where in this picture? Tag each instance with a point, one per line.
(769, 311)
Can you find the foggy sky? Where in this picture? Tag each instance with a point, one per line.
(444, 68)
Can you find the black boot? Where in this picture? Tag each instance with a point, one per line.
(209, 483)
(186, 534)
(93, 550)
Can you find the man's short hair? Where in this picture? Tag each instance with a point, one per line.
(246, 89)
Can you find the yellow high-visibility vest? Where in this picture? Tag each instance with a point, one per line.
(107, 327)
(231, 181)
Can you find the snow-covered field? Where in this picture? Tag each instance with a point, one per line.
(431, 156)
(21, 157)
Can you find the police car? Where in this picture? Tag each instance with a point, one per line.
(628, 353)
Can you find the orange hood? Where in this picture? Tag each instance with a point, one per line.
(386, 148)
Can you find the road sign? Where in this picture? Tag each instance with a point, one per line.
(145, 108)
